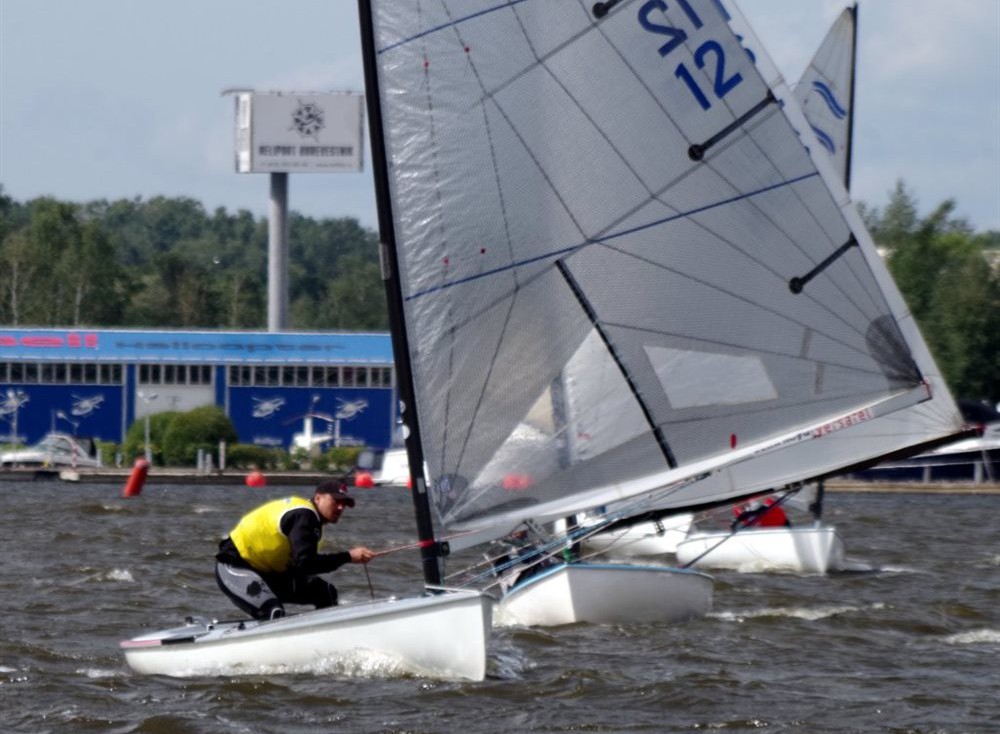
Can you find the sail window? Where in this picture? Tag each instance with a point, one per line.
(693, 379)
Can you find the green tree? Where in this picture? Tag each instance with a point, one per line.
(202, 428)
(949, 286)
(17, 276)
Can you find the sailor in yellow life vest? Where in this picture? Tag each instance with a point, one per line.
(271, 557)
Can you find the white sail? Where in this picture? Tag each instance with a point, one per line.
(619, 199)
(825, 91)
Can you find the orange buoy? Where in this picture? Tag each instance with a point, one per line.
(256, 479)
(364, 480)
(136, 479)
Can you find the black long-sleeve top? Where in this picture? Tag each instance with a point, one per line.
(304, 530)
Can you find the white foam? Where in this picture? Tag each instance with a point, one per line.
(810, 614)
(119, 574)
(100, 672)
(974, 637)
(354, 664)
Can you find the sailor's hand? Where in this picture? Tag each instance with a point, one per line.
(361, 554)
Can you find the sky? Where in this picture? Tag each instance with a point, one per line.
(121, 99)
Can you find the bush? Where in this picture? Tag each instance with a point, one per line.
(202, 428)
(250, 456)
(342, 458)
(134, 444)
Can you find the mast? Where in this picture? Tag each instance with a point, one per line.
(850, 110)
(429, 549)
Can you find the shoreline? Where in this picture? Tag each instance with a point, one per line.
(162, 475)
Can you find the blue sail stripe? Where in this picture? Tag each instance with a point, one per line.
(825, 139)
(831, 101)
(615, 235)
(457, 21)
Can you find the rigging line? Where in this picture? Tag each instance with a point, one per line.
(697, 150)
(371, 589)
(795, 285)
(450, 23)
(561, 253)
(588, 309)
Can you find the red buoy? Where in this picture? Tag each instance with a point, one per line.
(364, 480)
(136, 479)
(256, 479)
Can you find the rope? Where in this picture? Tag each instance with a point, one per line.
(371, 589)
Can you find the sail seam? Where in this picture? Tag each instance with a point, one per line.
(443, 26)
(614, 235)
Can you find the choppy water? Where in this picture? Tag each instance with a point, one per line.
(914, 648)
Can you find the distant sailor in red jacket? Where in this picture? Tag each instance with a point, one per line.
(759, 513)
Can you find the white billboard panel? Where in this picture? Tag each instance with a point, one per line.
(310, 132)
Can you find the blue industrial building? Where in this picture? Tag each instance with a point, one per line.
(97, 382)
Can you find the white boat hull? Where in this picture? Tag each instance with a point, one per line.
(807, 549)
(644, 539)
(606, 594)
(439, 636)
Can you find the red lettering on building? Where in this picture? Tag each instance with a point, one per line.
(50, 341)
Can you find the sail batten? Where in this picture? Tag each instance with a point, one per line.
(588, 308)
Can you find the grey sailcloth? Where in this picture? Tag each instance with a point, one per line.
(825, 91)
(619, 264)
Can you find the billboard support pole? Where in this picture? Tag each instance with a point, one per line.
(277, 255)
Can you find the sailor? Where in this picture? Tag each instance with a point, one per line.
(271, 557)
(760, 513)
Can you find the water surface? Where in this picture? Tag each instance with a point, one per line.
(913, 648)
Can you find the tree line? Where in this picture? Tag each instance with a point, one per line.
(950, 278)
(167, 263)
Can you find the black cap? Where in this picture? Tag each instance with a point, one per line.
(338, 489)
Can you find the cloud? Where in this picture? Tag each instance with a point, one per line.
(930, 40)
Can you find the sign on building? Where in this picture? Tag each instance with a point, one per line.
(285, 132)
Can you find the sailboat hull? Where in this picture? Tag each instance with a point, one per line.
(606, 594)
(809, 549)
(643, 539)
(441, 636)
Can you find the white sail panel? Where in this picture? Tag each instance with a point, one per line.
(825, 91)
(627, 183)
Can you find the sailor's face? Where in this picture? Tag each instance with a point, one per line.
(330, 508)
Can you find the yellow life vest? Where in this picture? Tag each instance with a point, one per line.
(258, 535)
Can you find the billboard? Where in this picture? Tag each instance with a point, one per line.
(309, 132)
